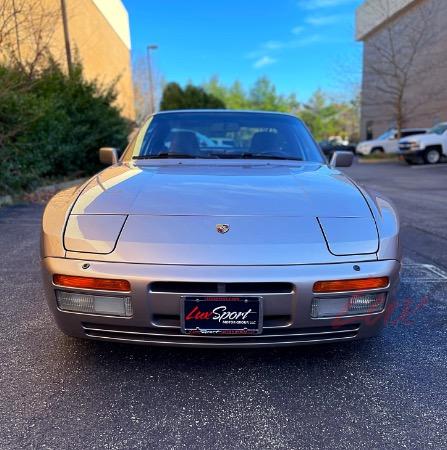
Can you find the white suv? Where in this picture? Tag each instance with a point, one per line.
(387, 142)
(429, 147)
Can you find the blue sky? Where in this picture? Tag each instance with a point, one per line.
(297, 43)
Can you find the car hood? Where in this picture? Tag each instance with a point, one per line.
(170, 214)
(431, 138)
(307, 190)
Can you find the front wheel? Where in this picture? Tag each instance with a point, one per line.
(432, 156)
(377, 151)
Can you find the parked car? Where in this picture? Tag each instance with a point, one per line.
(224, 142)
(387, 142)
(330, 146)
(338, 140)
(191, 246)
(428, 148)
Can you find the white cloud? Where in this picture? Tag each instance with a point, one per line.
(296, 42)
(309, 40)
(273, 45)
(264, 61)
(297, 30)
(319, 21)
(262, 54)
(266, 48)
(317, 4)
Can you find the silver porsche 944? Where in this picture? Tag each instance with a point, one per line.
(221, 229)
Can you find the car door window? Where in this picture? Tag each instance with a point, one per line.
(411, 132)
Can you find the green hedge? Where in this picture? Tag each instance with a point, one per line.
(51, 127)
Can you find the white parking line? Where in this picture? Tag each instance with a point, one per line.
(437, 270)
(429, 166)
(427, 273)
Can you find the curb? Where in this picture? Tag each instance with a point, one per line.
(377, 161)
(57, 186)
(41, 194)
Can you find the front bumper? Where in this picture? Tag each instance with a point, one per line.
(412, 154)
(363, 151)
(156, 314)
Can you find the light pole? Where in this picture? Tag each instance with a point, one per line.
(150, 78)
(66, 38)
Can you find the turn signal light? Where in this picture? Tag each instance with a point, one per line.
(86, 303)
(102, 284)
(348, 305)
(361, 284)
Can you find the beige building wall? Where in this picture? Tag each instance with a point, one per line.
(426, 95)
(101, 48)
(99, 38)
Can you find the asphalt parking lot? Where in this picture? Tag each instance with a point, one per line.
(386, 392)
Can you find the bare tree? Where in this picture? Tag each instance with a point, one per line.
(8, 21)
(141, 88)
(26, 30)
(346, 75)
(400, 57)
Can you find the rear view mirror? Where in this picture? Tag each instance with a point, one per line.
(342, 159)
(108, 155)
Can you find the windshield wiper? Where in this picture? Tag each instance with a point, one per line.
(165, 155)
(277, 157)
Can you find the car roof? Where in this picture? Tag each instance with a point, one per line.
(223, 111)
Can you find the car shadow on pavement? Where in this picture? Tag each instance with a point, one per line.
(152, 356)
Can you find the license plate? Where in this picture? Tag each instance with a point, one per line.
(221, 315)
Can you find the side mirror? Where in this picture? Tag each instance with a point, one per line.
(108, 155)
(342, 159)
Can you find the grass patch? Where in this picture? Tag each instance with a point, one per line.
(380, 157)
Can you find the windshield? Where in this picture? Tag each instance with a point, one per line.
(225, 135)
(387, 135)
(438, 129)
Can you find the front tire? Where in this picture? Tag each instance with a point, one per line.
(377, 151)
(432, 156)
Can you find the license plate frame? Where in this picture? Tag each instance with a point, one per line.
(215, 327)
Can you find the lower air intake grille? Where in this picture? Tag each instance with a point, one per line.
(220, 288)
(174, 337)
